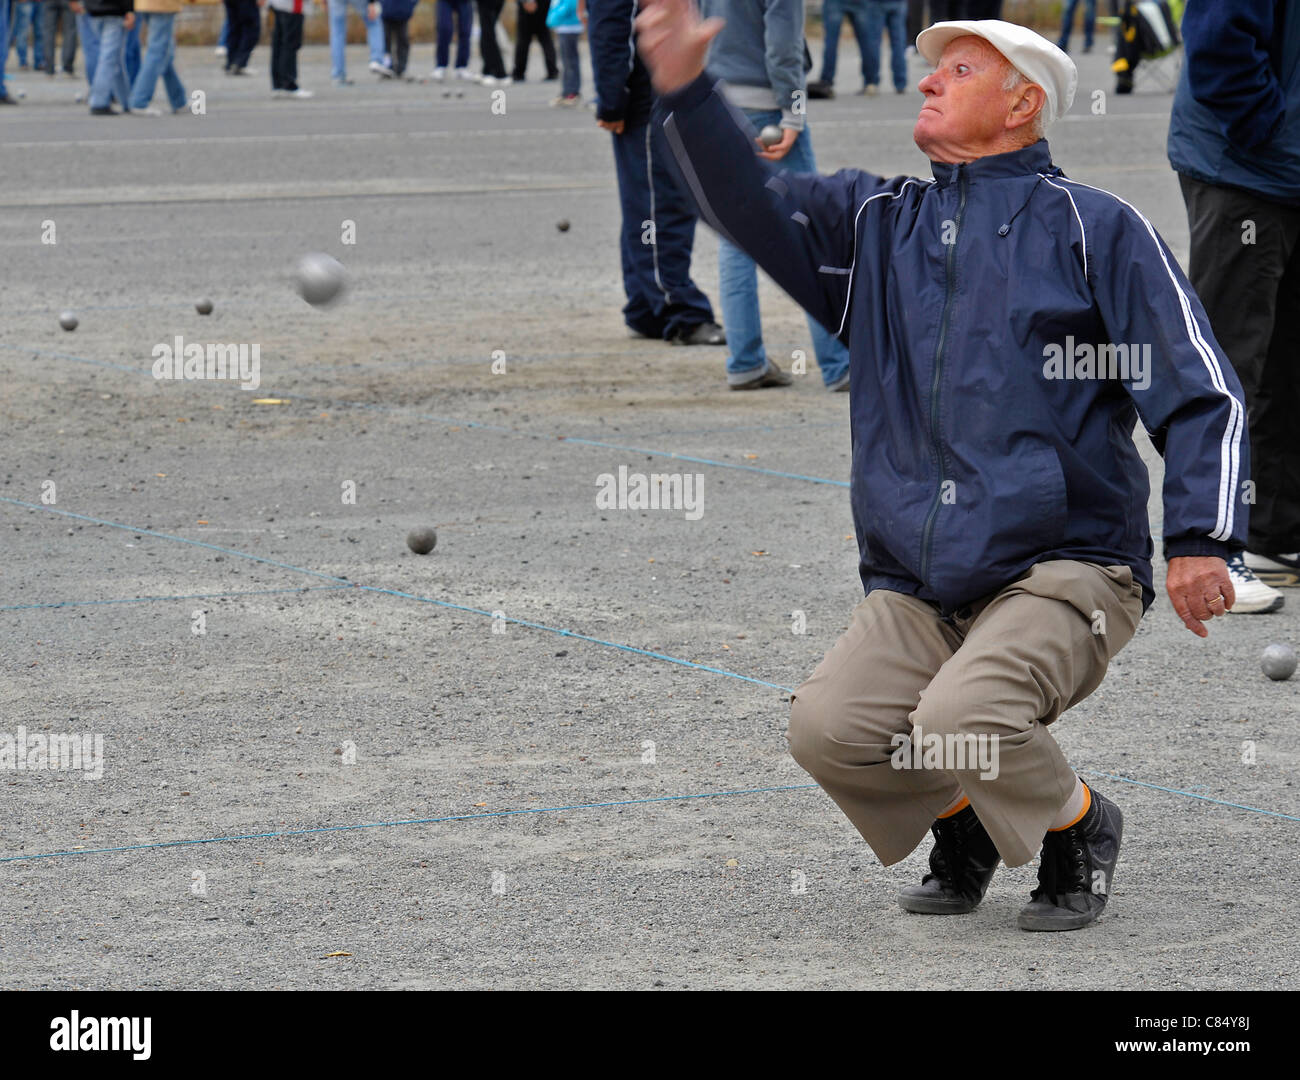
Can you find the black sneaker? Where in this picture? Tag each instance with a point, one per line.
(8, 99)
(103, 110)
(1076, 870)
(819, 90)
(705, 333)
(962, 862)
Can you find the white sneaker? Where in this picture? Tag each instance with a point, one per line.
(149, 111)
(220, 50)
(1278, 569)
(382, 70)
(492, 80)
(300, 93)
(438, 74)
(1253, 596)
(464, 73)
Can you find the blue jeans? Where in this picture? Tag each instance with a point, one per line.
(223, 38)
(339, 35)
(888, 15)
(110, 68)
(26, 16)
(834, 12)
(4, 36)
(738, 285)
(158, 58)
(1089, 22)
(570, 64)
(88, 35)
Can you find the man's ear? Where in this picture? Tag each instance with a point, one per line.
(1030, 101)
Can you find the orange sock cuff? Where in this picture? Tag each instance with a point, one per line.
(1087, 805)
(965, 802)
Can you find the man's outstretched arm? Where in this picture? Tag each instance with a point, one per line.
(799, 228)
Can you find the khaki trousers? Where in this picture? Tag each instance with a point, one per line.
(994, 674)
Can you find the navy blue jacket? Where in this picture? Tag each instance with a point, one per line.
(962, 300)
(1236, 116)
(622, 83)
(401, 10)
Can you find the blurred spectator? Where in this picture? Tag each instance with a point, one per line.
(58, 17)
(494, 67)
(564, 19)
(396, 16)
(658, 229)
(1067, 24)
(1234, 139)
(111, 20)
(159, 16)
(462, 11)
(26, 22)
(759, 58)
(338, 16)
(530, 23)
(245, 28)
(286, 39)
(882, 15)
(834, 12)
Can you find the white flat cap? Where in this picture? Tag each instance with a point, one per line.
(1031, 54)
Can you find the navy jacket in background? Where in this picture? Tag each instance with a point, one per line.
(1236, 115)
(622, 83)
(969, 463)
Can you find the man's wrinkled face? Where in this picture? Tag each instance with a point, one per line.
(965, 105)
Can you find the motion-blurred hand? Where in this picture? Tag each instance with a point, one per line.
(674, 42)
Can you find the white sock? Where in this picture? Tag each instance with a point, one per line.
(1069, 813)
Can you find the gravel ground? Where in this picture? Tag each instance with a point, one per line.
(489, 708)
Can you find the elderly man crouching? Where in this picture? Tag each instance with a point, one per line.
(1007, 328)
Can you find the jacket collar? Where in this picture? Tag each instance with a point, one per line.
(1028, 160)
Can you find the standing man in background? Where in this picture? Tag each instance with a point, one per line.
(658, 228)
(759, 55)
(1234, 140)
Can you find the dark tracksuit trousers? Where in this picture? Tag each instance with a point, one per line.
(286, 40)
(397, 43)
(1249, 283)
(657, 237)
(245, 20)
(531, 25)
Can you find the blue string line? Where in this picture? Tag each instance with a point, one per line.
(187, 596)
(409, 821)
(344, 583)
(1192, 795)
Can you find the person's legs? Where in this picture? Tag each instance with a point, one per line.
(874, 17)
(245, 29)
(544, 35)
(88, 33)
(738, 302)
(177, 98)
(338, 19)
(1245, 288)
(1067, 24)
(488, 13)
(374, 32)
(464, 31)
(1038, 647)
(634, 196)
(442, 47)
(523, 39)
(832, 21)
(109, 76)
(571, 65)
(48, 14)
(850, 717)
(4, 40)
(994, 676)
(131, 52)
(896, 25)
(292, 43)
(156, 57)
(279, 49)
(22, 19)
(1089, 23)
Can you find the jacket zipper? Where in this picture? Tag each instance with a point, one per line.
(927, 535)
